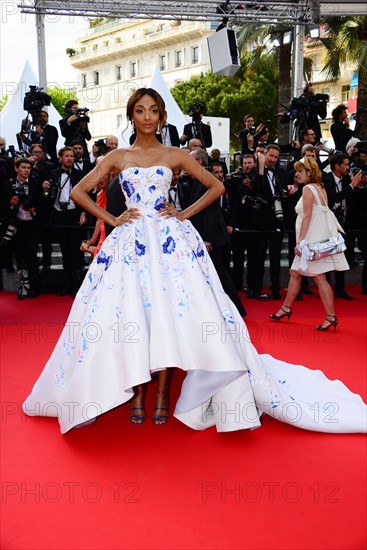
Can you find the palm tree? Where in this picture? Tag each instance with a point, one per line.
(347, 41)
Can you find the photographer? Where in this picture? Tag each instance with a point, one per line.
(47, 136)
(242, 200)
(6, 163)
(196, 128)
(269, 183)
(340, 128)
(344, 200)
(67, 217)
(246, 135)
(19, 199)
(26, 136)
(75, 125)
(315, 107)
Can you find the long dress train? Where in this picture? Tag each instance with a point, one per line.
(152, 299)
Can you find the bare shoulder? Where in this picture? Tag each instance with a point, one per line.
(176, 157)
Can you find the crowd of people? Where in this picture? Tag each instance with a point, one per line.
(249, 221)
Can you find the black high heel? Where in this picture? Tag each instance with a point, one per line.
(332, 320)
(288, 314)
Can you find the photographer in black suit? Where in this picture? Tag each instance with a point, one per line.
(269, 183)
(19, 198)
(47, 136)
(75, 125)
(67, 217)
(344, 200)
(170, 137)
(196, 128)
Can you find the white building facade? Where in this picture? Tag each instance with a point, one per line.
(117, 57)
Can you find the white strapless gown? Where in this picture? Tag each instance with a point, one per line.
(152, 299)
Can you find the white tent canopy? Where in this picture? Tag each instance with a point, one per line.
(12, 114)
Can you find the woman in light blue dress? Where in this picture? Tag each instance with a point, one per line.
(152, 300)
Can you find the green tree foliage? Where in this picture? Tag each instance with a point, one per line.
(3, 102)
(249, 91)
(347, 41)
(60, 96)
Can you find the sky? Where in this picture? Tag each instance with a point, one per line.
(18, 43)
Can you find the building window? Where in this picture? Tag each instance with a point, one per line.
(96, 77)
(105, 43)
(84, 80)
(119, 121)
(133, 71)
(162, 63)
(179, 58)
(95, 47)
(82, 50)
(118, 72)
(345, 93)
(195, 54)
(118, 40)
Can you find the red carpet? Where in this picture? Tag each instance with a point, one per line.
(113, 485)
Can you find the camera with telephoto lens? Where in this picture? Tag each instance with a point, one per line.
(328, 150)
(277, 202)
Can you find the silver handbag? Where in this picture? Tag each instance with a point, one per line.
(329, 247)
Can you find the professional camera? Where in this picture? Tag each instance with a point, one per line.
(81, 111)
(328, 150)
(300, 105)
(257, 203)
(277, 202)
(101, 144)
(24, 199)
(51, 192)
(35, 100)
(196, 111)
(355, 170)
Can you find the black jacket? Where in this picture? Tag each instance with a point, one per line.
(202, 131)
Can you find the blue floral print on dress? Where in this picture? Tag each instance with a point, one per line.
(169, 245)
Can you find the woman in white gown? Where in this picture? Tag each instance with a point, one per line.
(152, 300)
(315, 223)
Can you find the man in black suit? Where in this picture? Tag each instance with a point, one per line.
(67, 217)
(19, 198)
(169, 132)
(197, 129)
(75, 126)
(211, 225)
(47, 136)
(340, 128)
(268, 181)
(343, 198)
(84, 165)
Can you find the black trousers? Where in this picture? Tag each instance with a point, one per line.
(25, 248)
(69, 235)
(217, 255)
(258, 245)
(239, 247)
